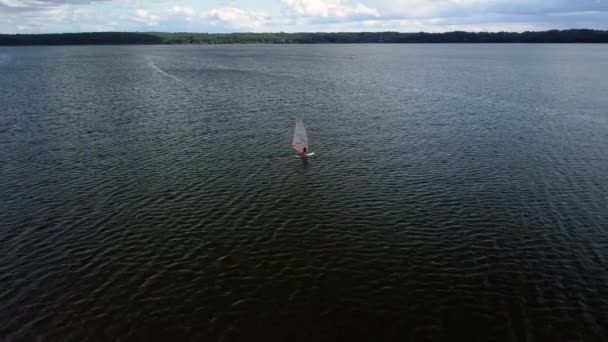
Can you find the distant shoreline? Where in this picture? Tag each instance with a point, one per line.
(161, 38)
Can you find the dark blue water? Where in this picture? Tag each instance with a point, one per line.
(458, 192)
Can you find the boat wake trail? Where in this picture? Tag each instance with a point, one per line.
(161, 71)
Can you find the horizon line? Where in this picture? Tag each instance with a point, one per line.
(315, 32)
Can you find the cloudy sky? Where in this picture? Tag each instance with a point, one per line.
(41, 16)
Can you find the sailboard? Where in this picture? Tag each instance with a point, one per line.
(300, 139)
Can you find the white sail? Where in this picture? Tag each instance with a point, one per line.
(300, 139)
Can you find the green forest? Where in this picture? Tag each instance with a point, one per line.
(106, 38)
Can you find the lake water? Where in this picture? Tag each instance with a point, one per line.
(458, 192)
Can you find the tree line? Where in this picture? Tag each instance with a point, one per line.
(98, 38)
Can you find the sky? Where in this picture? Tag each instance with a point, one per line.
(50, 16)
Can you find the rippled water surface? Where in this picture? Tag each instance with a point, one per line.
(458, 192)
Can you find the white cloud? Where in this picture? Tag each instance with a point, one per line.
(451, 8)
(61, 18)
(308, 8)
(236, 17)
(146, 17)
(356, 10)
(21, 16)
(21, 3)
(187, 12)
(442, 25)
(27, 5)
(228, 17)
(328, 8)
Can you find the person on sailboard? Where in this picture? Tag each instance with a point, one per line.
(304, 150)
